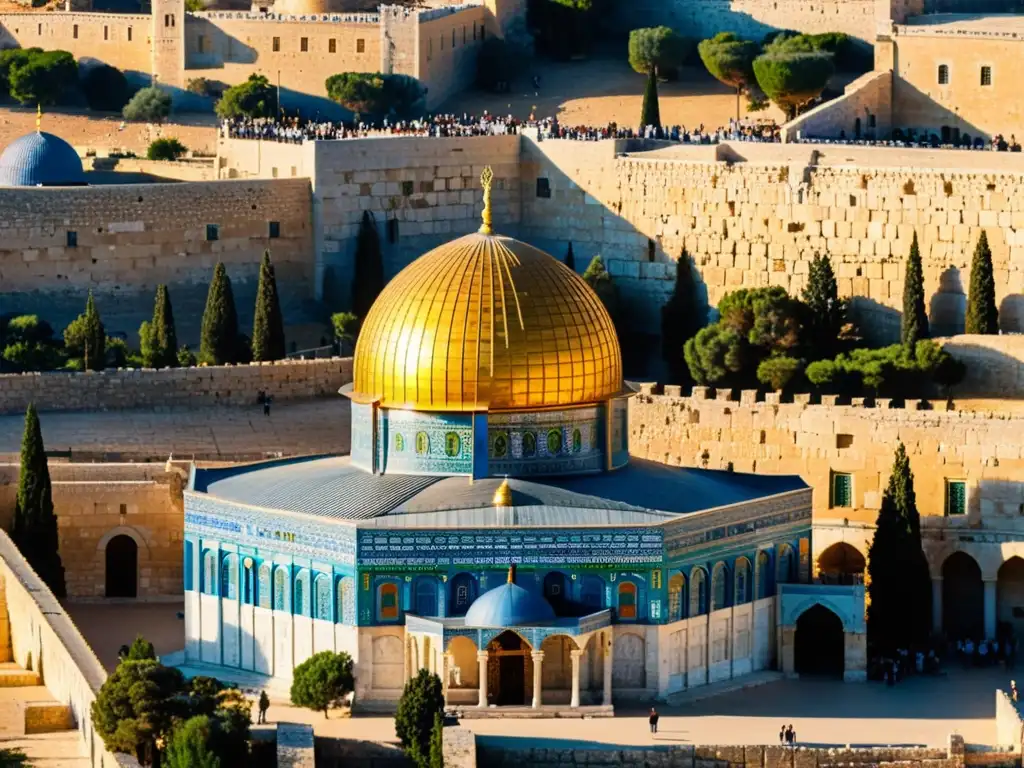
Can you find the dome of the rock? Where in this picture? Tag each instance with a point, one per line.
(486, 323)
(40, 159)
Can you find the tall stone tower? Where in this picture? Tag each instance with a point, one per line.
(167, 18)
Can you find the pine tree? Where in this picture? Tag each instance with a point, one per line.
(219, 342)
(914, 325)
(35, 525)
(437, 742)
(982, 314)
(826, 311)
(681, 317)
(414, 719)
(165, 337)
(649, 112)
(189, 745)
(368, 279)
(899, 584)
(570, 258)
(86, 339)
(268, 324)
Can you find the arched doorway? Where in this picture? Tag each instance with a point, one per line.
(841, 563)
(963, 598)
(122, 568)
(509, 670)
(819, 643)
(1010, 597)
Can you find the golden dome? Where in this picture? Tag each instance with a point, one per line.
(486, 323)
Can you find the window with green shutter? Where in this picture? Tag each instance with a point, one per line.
(842, 490)
(956, 497)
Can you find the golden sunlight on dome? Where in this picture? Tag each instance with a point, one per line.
(486, 323)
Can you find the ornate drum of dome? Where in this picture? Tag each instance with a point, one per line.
(487, 357)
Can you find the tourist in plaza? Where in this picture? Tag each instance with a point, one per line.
(654, 720)
(1013, 690)
(264, 706)
(782, 734)
(790, 735)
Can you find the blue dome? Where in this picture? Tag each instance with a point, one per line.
(508, 606)
(40, 159)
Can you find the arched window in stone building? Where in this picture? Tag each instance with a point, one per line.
(300, 605)
(248, 581)
(346, 608)
(323, 597)
(676, 588)
(698, 593)
(785, 565)
(263, 588)
(281, 588)
(719, 587)
(426, 596)
(741, 586)
(627, 600)
(209, 575)
(764, 574)
(387, 602)
(229, 577)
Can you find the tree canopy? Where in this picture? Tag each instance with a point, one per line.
(27, 343)
(189, 745)
(268, 323)
(656, 49)
(106, 88)
(219, 342)
(165, 148)
(914, 322)
(793, 78)
(730, 60)
(42, 78)
(148, 105)
(377, 95)
(323, 681)
(421, 699)
(85, 338)
(254, 97)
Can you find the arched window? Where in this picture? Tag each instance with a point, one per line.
(248, 581)
(229, 577)
(764, 573)
(462, 593)
(209, 575)
(346, 608)
(263, 589)
(784, 566)
(387, 602)
(741, 587)
(698, 593)
(426, 596)
(592, 593)
(676, 586)
(188, 565)
(719, 587)
(627, 600)
(323, 597)
(281, 588)
(299, 604)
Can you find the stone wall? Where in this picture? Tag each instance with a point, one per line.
(1009, 724)
(863, 111)
(43, 637)
(449, 40)
(995, 364)
(148, 388)
(96, 502)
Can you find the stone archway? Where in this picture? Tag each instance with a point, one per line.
(841, 563)
(122, 567)
(1010, 597)
(963, 598)
(820, 643)
(509, 670)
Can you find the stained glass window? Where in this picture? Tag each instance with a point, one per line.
(719, 587)
(263, 589)
(698, 593)
(627, 600)
(956, 497)
(742, 588)
(299, 607)
(675, 597)
(346, 610)
(764, 566)
(323, 597)
(388, 601)
(229, 578)
(281, 588)
(422, 443)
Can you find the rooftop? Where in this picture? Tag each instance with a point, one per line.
(643, 492)
(1002, 24)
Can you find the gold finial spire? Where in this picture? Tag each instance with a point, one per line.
(503, 496)
(39, 118)
(512, 574)
(485, 180)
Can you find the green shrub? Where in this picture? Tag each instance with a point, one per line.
(377, 95)
(149, 105)
(106, 89)
(166, 149)
(414, 720)
(887, 371)
(255, 97)
(12, 58)
(323, 681)
(186, 358)
(43, 77)
(27, 344)
(198, 85)
(778, 371)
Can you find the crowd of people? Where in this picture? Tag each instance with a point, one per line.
(986, 653)
(997, 143)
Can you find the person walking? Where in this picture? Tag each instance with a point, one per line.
(266, 405)
(654, 720)
(264, 706)
(782, 734)
(792, 736)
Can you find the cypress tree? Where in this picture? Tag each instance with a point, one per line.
(982, 314)
(570, 258)
(159, 340)
(914, 324)
(268, 324)
(826, 311)
(899, 584)
(368, 278)
(219, 342)
(649, 112)
(86, 339)
(35, 525)
(681, 317)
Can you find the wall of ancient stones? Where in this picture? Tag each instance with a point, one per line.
(149, 388)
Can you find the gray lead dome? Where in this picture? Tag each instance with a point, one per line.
(40, 159)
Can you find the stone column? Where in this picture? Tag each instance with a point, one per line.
(481, 658)
(607, 694)
(446, 666)
(538, 663)
(990, 610)
(575, 700)
(937, 604)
